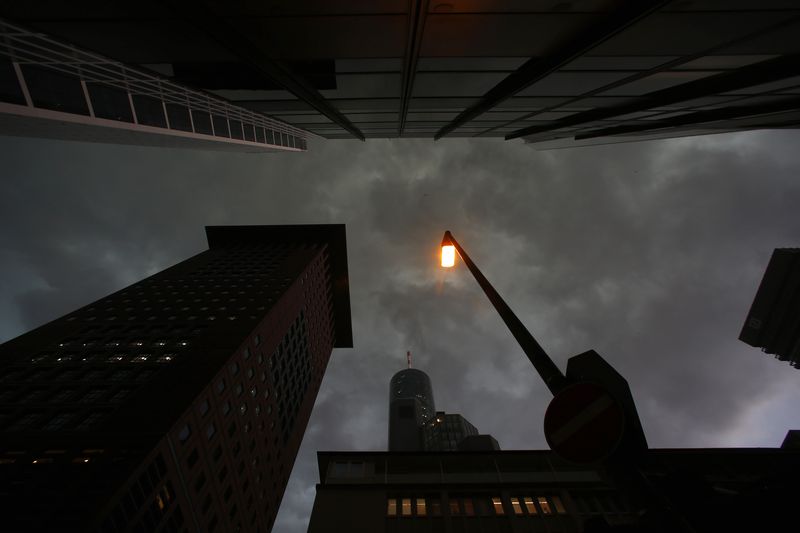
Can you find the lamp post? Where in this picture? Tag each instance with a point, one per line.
(547, 369)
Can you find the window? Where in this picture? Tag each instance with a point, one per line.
(497, 503)
(421, 507)
(220, 386)
(455, 509)
(391, 507)
(239, 389)
(192, 459)
(211, 430)
(57, 422)
(544, 505)
(226, 408)
(406, 507)
(436, 507)
(558, 505)
(204, 408)
(529, 506)
(469, 509)
(516, 506)
(183, 434)
(201, 481)
(234, 369)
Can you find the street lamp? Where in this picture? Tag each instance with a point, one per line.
(592, 414)
(545, 366)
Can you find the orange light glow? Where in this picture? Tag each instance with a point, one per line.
(448, 255)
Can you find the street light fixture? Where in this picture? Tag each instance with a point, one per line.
(592, 414)
(547, 369)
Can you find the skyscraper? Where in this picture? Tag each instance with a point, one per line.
(177, 403)
(773, 322)
(554, 73)
(414, 423)
(411, 406)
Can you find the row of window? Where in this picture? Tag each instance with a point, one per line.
(58, 91)
(476, 506)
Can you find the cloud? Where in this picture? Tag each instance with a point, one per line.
(649, 253)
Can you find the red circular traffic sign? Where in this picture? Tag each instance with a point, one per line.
(584, 423)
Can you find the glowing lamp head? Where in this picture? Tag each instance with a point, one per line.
(448, 251)
(448, 255)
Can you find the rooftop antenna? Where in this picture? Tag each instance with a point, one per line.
(408, 358)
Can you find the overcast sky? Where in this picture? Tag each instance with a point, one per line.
(649, 253)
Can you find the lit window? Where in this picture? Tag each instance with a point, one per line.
(469, 509)
(516, 506)
(497, 503)
(558, 505)
(529, 506)
(436, 507)
(391, 507)
(421, 508)
(455, 509)
(545, 505)
(406, 509)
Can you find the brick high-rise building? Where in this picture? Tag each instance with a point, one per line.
(179, 402)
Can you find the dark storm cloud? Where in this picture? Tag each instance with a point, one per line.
(649, 253)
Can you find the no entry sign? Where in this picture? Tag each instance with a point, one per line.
(584, 423)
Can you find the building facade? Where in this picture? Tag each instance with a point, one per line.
(773, 322)
(553, 73)
(177, 403)
(445, 431)
(53, 89)
(415, 424)
(411, 406)
(701, 490)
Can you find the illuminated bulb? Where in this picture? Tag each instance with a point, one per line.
(448, 255)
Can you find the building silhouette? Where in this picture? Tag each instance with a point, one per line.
(177, 403)
(416, 425)
(553, 73)
(701, 490)
(773, 322)
(411, 406)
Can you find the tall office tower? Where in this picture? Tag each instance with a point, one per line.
(415, 425)
(179, 402)
(773, 323)
(52, 89)
(410, 407)
(556, 73)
